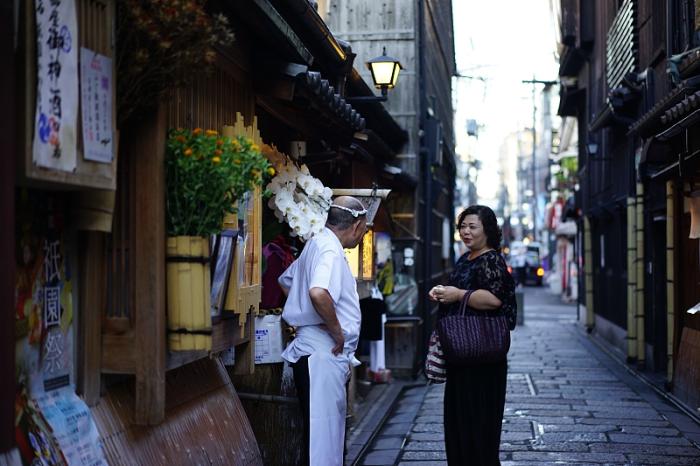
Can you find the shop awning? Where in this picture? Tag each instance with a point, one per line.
(569, 98)
(620, 104)
(572, 60)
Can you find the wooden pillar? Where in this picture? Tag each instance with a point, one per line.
(641, 347)
(8, 152)
(631, 280)
(147, 152)
(92, 302)
(588, 273)
(670, 278)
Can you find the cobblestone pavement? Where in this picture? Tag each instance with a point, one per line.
(568, 402)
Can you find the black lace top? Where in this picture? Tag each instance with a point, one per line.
(486, 272)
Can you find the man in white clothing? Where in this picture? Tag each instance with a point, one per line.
(323, 304)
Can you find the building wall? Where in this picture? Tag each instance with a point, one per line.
(370, 26)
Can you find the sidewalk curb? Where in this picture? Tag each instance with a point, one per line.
(368, 429)
(606, 349)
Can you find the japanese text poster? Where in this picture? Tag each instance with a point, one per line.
(44, 295)
(96, 105)
(57, 84)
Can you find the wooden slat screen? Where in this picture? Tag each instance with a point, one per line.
(95, 18)
(211, 102)
(119, 282)
(622, 44)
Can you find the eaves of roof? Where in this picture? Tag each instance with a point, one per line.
(650, 123)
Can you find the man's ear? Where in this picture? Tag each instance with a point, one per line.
(357, 225)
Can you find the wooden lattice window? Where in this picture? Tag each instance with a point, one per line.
(622, 44)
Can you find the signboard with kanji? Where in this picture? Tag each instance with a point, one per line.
(57, 84)
(96, 105)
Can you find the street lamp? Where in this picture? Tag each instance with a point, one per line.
(385, 73)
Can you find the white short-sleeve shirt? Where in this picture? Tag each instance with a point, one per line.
(322, 264)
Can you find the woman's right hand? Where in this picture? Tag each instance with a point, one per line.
(432, 294)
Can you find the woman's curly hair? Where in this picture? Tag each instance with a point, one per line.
(488, 220)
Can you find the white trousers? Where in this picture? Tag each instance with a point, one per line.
(328, 375)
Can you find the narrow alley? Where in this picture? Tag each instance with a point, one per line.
(569, 401)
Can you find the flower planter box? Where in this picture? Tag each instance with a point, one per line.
(188, 293)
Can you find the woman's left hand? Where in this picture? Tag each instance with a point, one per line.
(448, 294)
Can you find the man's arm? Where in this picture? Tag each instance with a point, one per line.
(285, 280)
(323, 303)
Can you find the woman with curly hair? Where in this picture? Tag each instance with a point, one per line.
(475, 394)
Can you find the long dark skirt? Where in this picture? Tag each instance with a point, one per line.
(474, 400)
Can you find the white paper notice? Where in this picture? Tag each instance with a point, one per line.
(73, 427)
(57, 85)
(268, 339)
(96, 105)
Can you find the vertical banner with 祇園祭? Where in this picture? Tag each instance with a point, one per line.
(55, 122)
(53, 425)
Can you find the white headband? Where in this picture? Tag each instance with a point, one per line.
(354, 213)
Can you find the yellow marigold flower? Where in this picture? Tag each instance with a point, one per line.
(236, 145)
(216, 160)
(237, 161)
(197, 131)
(188, 152)
(271, 171)
(211, 132)
(255, 148)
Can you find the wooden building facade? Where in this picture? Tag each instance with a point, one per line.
(285, 79)
(628, 75)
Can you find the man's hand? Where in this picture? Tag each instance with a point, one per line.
(339, 343)
(323, 303)
(338, 337)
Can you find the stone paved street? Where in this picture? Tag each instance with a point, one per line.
(568, 402)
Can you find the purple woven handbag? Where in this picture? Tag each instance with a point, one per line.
(473, 337)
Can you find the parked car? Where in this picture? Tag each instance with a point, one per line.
(525, 265)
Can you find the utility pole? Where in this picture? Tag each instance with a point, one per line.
(534, 83)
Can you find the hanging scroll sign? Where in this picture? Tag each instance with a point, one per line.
(55, 121)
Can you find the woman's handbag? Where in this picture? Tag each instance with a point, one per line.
(435, 367)
(473, 337)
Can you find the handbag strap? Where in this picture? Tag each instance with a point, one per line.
(464, 304)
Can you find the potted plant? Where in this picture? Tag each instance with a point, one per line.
(206, 173)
